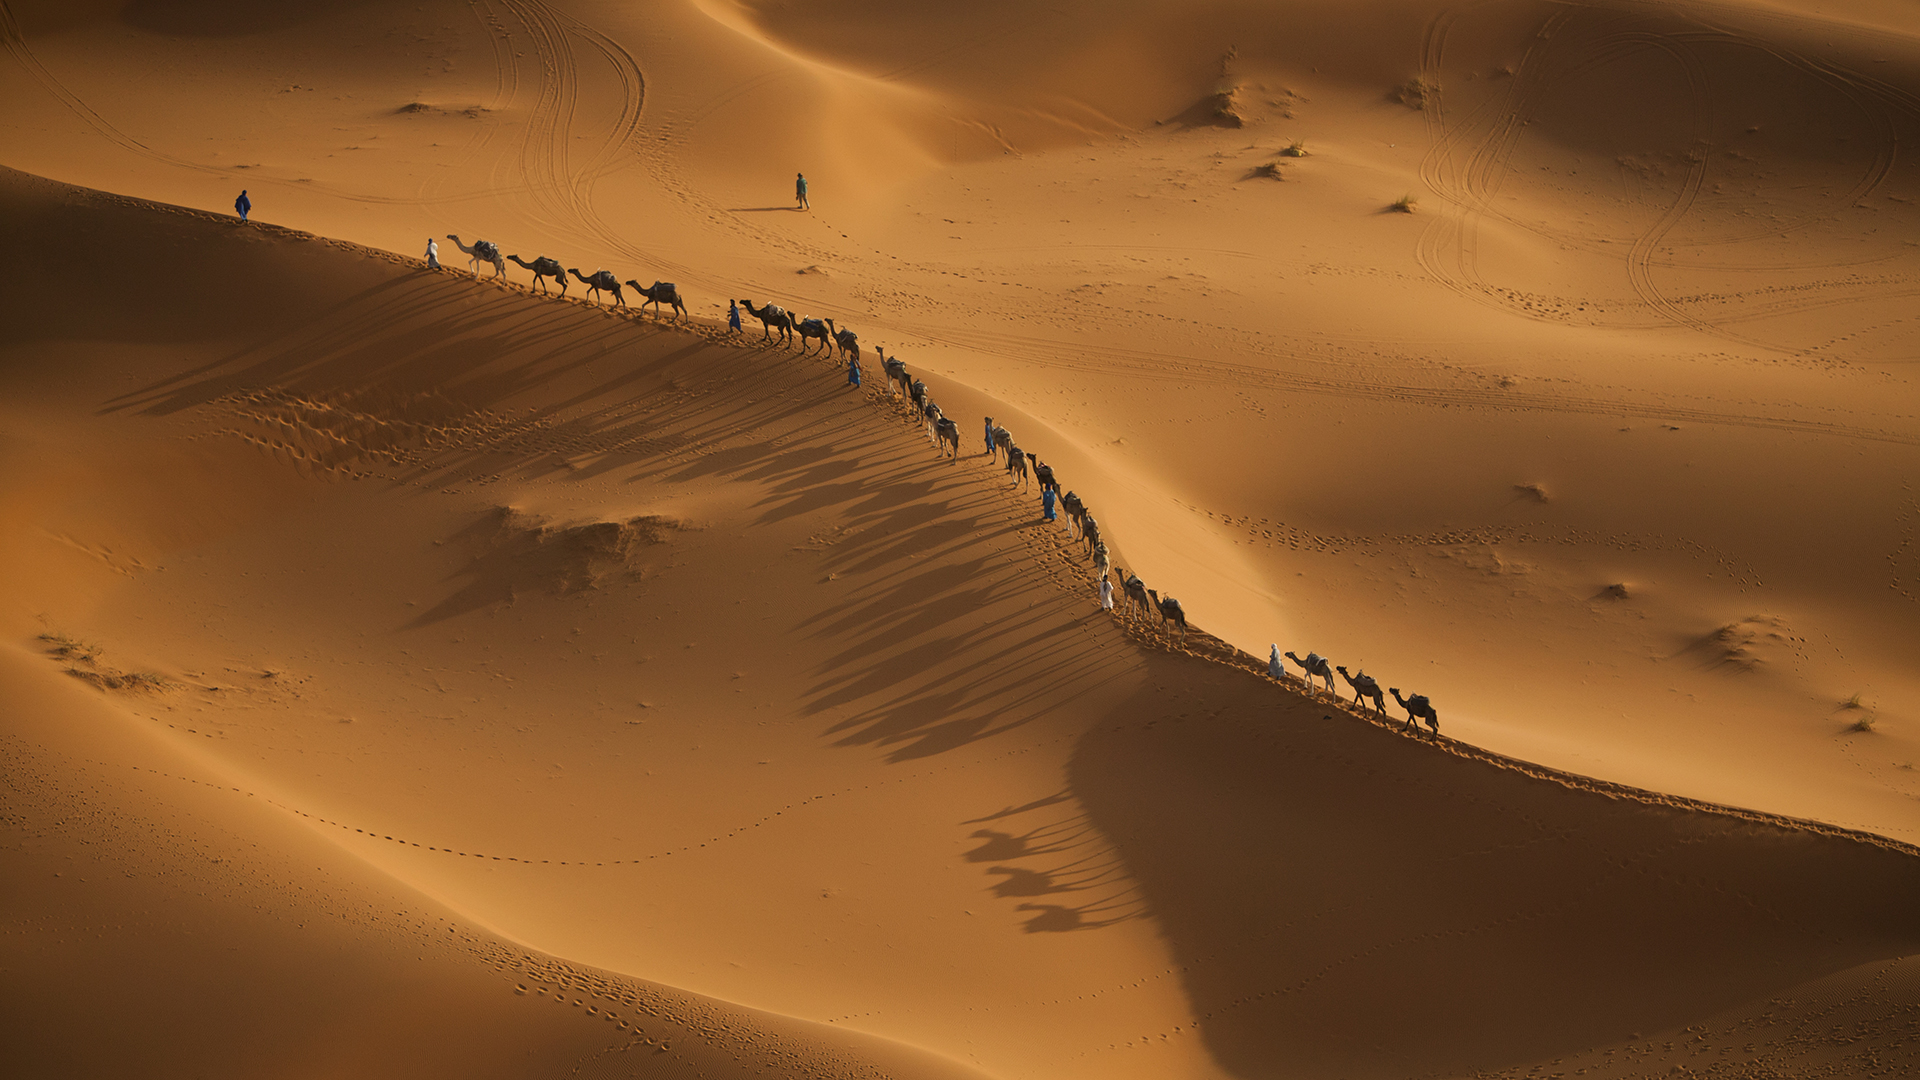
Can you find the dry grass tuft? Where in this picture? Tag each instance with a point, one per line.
(69, 648)
(84, 664)
(131, 681)
(1404, 204)
(1296, 148)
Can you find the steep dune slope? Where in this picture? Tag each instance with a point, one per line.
(665, 655)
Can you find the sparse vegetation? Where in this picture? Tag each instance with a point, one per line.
(1226, 108)
(1296, 148)
(69, 648)
(1414, 93)
(1857, 703)
(1404, 204)
(83, 659)
(1269, 171)
(146, 681)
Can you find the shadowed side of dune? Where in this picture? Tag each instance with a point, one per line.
(1346, 901)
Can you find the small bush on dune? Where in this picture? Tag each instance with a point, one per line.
(1404, 204)
(83, 663)
(1867, 718)
(69, 648)
(1414, 93)
(1296, 148)
(143, 681)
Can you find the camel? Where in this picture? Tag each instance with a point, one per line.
(1316, 667)
(482, 251)
(848, 341)
(1364, 686)
(1170, 612)
(949, 435)
(917, 393)
(1135, 591)
(896, 369)
(601, 281)
(1017, 465)
(1418, 707)
(1100, 557)
(1002, 441)
(772, 317)
(932, 415)
(1043, 474)
(1076, 510)
(543, 268)
(809, 329)
(661, 292)
(1089, 531)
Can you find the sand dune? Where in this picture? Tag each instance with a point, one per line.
(633, 647)
(583, 655)
(1647, 328)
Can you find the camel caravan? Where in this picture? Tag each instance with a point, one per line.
(486, 252)
(1139, 602)
(1024, 470)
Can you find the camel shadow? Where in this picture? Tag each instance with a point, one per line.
(1059, 919)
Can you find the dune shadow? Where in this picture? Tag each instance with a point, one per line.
(1297, 864)
(227, 18)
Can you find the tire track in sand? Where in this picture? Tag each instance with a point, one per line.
(1469, 159)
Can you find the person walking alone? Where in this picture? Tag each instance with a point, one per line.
(1106, 594)
(733, 315)
(433, 254)
(800, 191)
(242, 205)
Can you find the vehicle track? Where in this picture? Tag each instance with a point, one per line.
(1469, 159)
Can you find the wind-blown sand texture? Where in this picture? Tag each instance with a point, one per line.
(390, 655)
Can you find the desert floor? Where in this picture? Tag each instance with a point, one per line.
(390, 654)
